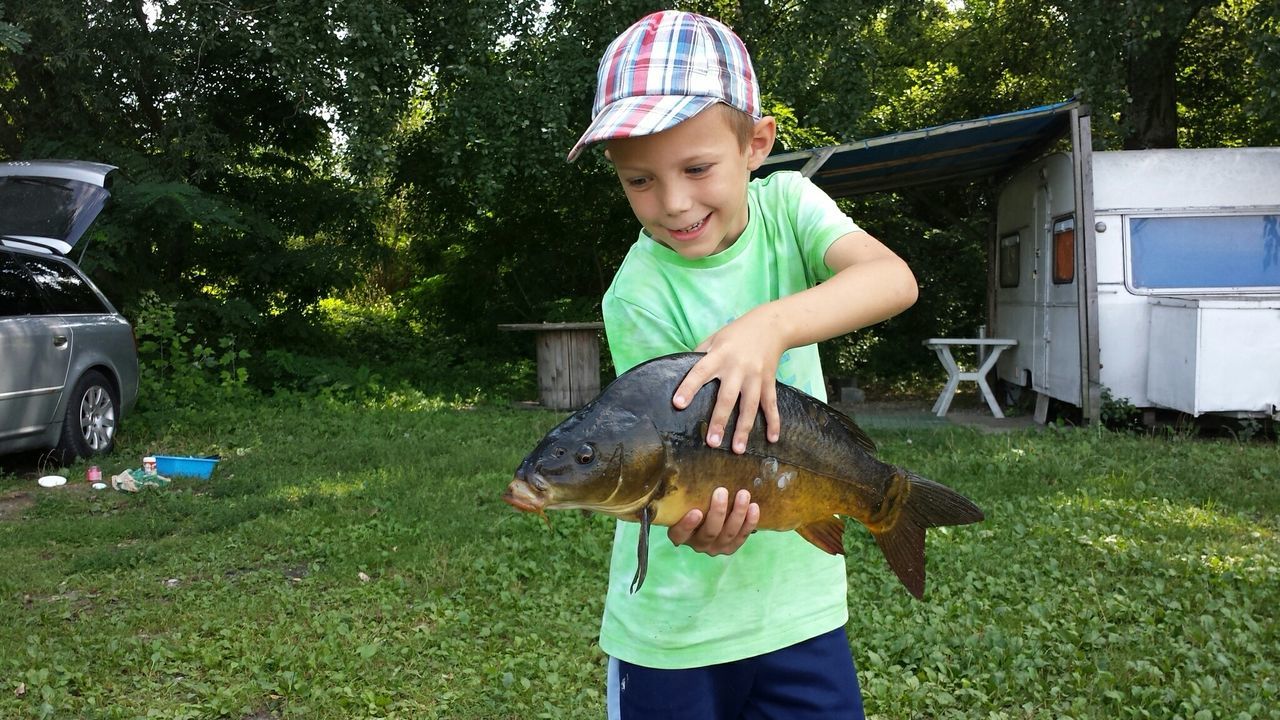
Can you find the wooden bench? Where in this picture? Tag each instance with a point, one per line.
(568, 362)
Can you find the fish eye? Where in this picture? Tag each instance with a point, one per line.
(585, 454)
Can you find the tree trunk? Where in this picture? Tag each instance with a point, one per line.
(146, 78)
(1151, 120)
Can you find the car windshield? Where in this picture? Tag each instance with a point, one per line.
(48, 207)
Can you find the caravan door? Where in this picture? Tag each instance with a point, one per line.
(1036, 301)
(1060, 377)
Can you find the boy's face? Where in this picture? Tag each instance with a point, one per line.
(688, 185)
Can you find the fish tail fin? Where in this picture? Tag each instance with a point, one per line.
(933, 504)
(924, 504)
(903, 547)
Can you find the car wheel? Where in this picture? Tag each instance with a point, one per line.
(89, 426)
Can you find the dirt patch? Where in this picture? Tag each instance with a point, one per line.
(14, 504)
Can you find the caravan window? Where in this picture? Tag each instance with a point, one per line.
(1064, 250)
(1010, 260)
(1208, 252)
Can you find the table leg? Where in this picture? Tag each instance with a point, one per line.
(953, 381)
(981, 379)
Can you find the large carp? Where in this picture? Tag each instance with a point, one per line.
(630, 454)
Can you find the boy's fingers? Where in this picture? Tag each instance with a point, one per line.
(680, 533)
(700, 374)
(725, 402)
(723, 529)
(747, 407)
(710, 528)
(749, 524)
(772, 418)
(738, 515)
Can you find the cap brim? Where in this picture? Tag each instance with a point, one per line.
(640, 115)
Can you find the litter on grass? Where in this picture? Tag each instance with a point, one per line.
(185, 466)
(136, 479)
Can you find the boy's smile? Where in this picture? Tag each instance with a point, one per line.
(688, 185)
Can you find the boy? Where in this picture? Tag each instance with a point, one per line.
(725, 627)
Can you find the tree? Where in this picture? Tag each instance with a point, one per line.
(277, 153)
(508, 230)
(248, 137)
(1127, 57)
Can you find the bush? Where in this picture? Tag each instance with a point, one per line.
(175, 368)
(1118, 413)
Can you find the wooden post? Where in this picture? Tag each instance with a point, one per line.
(568, 362)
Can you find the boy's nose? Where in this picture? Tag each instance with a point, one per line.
(675, 200)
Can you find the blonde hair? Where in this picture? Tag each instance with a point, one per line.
(742, 124)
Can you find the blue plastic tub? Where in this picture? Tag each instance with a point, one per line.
(176, 466)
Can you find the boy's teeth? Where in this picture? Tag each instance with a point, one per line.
(692, 227)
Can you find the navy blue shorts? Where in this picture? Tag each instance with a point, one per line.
(811, 680)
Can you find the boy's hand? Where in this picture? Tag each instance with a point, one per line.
(744, 356)
(723, 531)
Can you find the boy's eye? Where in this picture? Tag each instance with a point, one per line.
(637, 182)
(697, 169)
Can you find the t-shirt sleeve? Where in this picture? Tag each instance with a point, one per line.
(636, 335)
(818, 223)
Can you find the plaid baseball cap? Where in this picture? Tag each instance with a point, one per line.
(663, 70)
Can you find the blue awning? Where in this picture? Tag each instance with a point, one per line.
(964, 150)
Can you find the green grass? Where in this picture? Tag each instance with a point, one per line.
(352, 561)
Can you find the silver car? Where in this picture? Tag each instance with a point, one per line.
(68, 360)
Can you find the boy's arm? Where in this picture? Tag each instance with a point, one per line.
(871, 283)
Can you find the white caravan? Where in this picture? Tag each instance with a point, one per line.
(1183, 247)
(1154, 274)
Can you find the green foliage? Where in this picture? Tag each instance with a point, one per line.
(175, 368)
(365, 348)
(1118, 413)
(12, 38)
(354, 560)
(413, 152)
(249, 143)
(1217, 78)
(1262, 30)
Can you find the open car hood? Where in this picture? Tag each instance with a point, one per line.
(47, 205)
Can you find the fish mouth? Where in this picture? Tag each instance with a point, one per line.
(523, 497)
(526, 498)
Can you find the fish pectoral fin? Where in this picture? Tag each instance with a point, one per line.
(642, 549)
(827, 534)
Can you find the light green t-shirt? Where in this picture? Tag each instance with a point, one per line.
(777, 589)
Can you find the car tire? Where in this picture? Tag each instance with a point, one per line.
(89, 424)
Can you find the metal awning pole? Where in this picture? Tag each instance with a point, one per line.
(817, 161)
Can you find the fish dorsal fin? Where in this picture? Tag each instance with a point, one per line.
(825, 415)
(859, 436)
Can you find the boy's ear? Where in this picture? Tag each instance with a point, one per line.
(762, 137)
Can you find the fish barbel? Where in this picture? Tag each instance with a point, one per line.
(631, 454)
